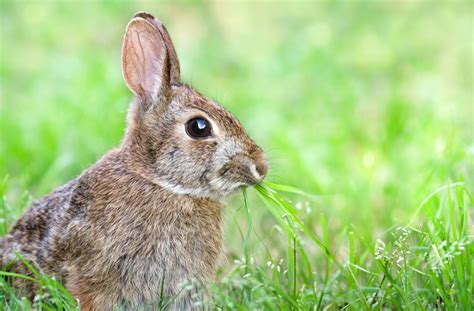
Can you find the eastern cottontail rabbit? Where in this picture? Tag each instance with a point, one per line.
(147, 216)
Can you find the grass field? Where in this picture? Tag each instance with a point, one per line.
(366, 106)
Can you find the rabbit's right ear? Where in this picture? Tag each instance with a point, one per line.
(148, 66)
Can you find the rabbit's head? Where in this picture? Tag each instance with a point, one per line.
(176, 137)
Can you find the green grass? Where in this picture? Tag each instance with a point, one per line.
(52, 295)
(365, 108)
(428, 266)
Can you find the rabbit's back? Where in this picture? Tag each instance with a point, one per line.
(30, 235)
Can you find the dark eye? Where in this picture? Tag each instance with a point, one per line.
(198, 128)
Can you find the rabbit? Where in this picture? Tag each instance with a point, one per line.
(147, 217)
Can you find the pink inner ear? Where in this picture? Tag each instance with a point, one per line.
(143, 59)
(171, 53)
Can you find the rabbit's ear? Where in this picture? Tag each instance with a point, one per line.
(173, 57)
(149, 62)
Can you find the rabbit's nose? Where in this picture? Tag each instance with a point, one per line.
(261, 166)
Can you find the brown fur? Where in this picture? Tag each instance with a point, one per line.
(148, 214)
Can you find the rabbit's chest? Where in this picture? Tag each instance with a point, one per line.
(164, 250)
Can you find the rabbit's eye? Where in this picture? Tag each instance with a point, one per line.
(198, 128)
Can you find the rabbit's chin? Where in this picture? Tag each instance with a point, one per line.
(218, 190)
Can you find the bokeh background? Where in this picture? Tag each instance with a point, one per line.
(367, 104)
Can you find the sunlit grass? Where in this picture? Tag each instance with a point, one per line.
(424, 266)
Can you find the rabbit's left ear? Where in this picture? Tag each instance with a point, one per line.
(149, 62)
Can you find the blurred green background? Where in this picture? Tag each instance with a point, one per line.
(368, 104)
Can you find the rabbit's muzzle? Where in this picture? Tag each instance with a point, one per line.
(261, 165)
(245, 170)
